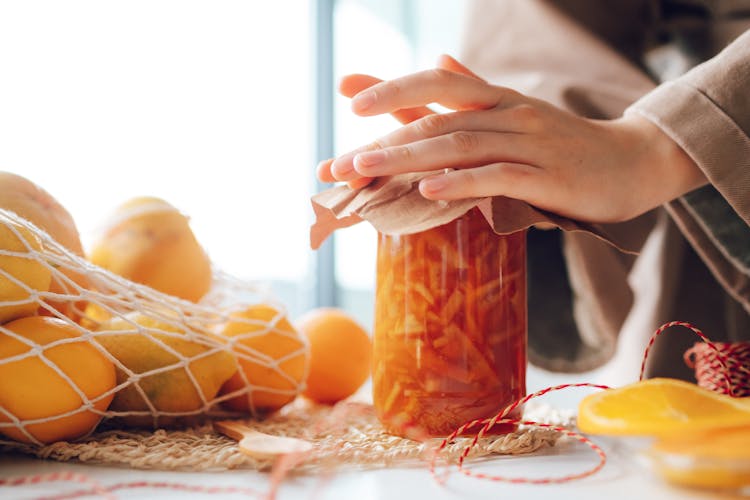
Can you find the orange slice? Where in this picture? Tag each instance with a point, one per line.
(658, 407)
(716, 458)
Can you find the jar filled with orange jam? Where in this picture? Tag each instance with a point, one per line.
(450, 326)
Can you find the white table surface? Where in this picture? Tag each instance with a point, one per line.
(623, 477)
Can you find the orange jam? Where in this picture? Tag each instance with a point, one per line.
(450, 326)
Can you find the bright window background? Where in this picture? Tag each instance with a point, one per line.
(208, 105)
(205, 104)
(386, 39)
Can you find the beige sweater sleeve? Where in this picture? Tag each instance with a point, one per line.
(575, 54)
(541, 48)
(707, 112)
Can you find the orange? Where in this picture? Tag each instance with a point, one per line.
(340, 354)
(149, 241)
(32, 274)
(36, 205)
(30, 389)
(657, 407)
(714, 458)
(272, 355)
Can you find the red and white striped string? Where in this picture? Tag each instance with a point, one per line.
(722, 367)
(94, 487)
(500, 418)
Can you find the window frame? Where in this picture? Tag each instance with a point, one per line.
(324, 271)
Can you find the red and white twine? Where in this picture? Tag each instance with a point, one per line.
(720, 366)
(722, 369)
(500, 418)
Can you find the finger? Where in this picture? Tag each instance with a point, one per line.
(457, 150)
(409, 115)
(518, 119)
(447, 62)
(323, 171)
(450, 89)
(342, 167)
(360, 183)
(351, 85)
(515, 180)
(324, 175)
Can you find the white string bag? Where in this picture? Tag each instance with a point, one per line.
(118, 297)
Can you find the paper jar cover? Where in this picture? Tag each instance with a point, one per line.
(394, 205)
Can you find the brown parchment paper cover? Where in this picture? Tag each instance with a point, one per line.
(394, 205)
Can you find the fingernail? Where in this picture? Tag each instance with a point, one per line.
(341, 169)
(369, 159)
(434, 184)
(363, 100)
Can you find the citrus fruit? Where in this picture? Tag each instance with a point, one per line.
(20, 275)
(659, 406)
(36, 205)
(31, 202)
(94, 315)
(166, 361)
(713, 458)
(272, 355)
(340, 354)
(68, 284)
(30, 389)
(149, 241)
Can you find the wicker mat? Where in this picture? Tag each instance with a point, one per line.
(347, 435)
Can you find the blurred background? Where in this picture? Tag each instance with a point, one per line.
(221, 108)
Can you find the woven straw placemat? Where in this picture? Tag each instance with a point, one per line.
(347, 435)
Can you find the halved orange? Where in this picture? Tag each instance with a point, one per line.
(659, 407)
(714, 458)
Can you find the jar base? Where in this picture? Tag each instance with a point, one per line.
(436, 425)
(418, 433)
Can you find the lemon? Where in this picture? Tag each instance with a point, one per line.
(31, 202)
(166, 362)
(20, 274)
(149, 241)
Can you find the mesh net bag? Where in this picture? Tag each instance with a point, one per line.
(91, 363)
(72, 354)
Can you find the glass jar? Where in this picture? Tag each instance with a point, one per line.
(450, 326)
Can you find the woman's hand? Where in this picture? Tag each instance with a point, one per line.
(500, 142)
